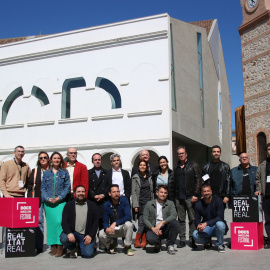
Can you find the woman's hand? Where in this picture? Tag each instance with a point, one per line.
(55, 200)
(136, 209)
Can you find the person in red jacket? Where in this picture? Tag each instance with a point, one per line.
(77, 171)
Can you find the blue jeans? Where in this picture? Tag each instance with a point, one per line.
(40, 229)
(86, 250)
(217, 230)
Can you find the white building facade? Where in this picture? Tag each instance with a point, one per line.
(113, 89)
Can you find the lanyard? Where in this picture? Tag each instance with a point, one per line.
(20, 171)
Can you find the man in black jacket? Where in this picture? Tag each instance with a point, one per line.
(80, 224)
(217, 174)
(98, 188)
(119, 176)
(187, 175)
(209, 219)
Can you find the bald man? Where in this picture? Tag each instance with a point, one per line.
(77, 171)
(144, 155)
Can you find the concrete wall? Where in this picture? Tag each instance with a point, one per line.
(186, 120)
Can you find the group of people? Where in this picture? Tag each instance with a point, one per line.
(81, 205)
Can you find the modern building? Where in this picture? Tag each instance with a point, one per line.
(255, 42)
(150, 83)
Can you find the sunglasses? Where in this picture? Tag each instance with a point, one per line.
(43, 158)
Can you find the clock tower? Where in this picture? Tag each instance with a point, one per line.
(255, 43)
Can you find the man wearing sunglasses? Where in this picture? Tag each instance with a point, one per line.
(77, 171)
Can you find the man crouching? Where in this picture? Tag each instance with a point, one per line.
(80, 224)
(159, 217)
(116, 222)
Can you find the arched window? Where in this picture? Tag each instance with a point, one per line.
(69, 83)
(40, 95)
(261, 143)
(112, 90)
(9, 101)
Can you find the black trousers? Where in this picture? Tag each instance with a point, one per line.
(266, 210)
(169, 232)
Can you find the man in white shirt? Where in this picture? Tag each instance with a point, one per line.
(119, 176)
(159, 217)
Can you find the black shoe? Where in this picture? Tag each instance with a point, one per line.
(208, 245)
(157, 248)
(192, 244)
(181, 244)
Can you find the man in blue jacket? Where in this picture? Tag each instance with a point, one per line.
(243, 177)
(116, 222)
(209, 219)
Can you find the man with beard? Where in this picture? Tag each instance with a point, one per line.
(159, 217)
(209, 219)
(217, 174)
(80, 224)
(117, 222)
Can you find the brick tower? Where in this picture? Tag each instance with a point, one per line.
(255, 42)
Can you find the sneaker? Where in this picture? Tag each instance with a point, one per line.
(73, 254)
(113, 246)
(208, 245)
(171, 250)
(181, 244)
(129, 251)
(102, 246)
(221, 249)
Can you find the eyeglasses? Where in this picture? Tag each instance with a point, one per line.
(43, 158)
(181, 154)
(72, 153)
(244, 157)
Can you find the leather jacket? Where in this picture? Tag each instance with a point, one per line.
(225, 184)
(193, 180)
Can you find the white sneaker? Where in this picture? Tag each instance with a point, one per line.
(171, 250)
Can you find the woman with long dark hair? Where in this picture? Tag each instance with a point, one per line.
(34, 191)
(164, 176)
(54, 190)
(142, 192)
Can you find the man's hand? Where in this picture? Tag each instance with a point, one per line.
(157, 230)
(71, 238)
(258, 193)
(194, 199)
(201, 226)
(111, 229)
(8, 196)
(87, 240)
(99, 197)
(225, 200)
(136, 209)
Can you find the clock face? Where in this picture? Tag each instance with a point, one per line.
(252, 3)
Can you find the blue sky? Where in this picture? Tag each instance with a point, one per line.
(25, 18)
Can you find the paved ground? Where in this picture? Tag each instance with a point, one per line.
(185, 258)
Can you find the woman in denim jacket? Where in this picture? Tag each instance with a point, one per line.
(54, 189)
